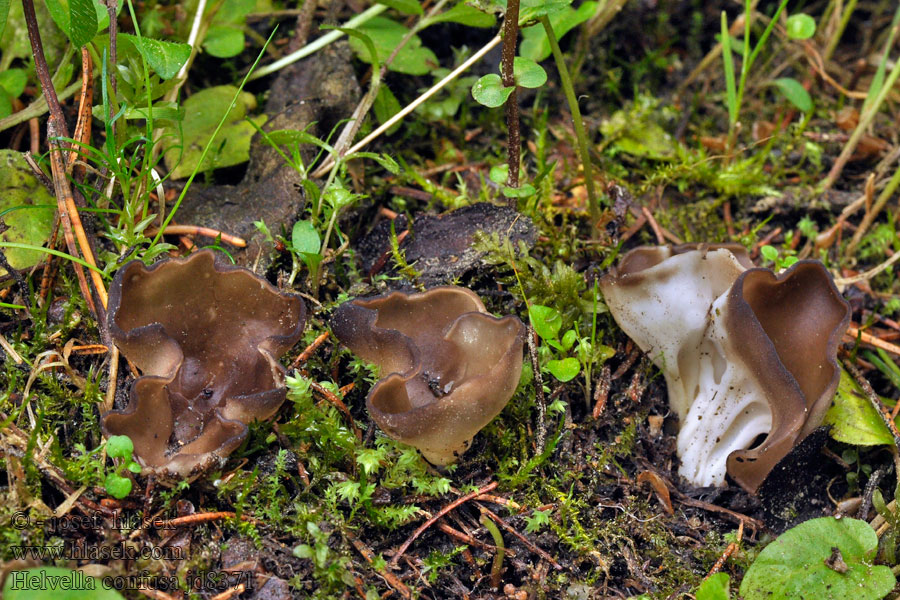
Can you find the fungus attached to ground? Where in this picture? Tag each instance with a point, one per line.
(448, 367)
(747, 354)
(206, 338)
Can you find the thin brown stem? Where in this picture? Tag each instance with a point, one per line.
(41, 69)
(507, 75)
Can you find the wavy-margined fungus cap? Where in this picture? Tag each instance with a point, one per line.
(747, 354)
(448, 367)
(206, 338)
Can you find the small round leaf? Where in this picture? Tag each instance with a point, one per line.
(546, 321)
(565, 369)
(119, 446)
(499, 173)
(800, 26)
(117, 486)
(490, 92)
(528, 73)
(769, 252)
(224, 41)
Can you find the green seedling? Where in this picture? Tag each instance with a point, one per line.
(771, 254)
(121, 447)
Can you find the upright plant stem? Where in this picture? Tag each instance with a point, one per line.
(41, 69)
(577, 122)
(507, 75)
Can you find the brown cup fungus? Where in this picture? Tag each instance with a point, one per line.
(206, 338)
(748, 354)
(450, 367)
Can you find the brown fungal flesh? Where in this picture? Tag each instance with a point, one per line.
(206, 338)
(448, 367)
(748, 355)
(791, 324)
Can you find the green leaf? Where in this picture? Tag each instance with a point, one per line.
(119, 446)
(499, 174)
(5, 103)
(26, 210)
(4, 14)
(801, 26)
(546, 321)
(794, 91)
(407, 7)
(77, 19)
(523, 191)
(117, 486)
(386, 106)
(569, 338)
(769, 253)
(532, 10)
(413, 58)
(224, 41)
(234, 12)
(714, 588)
(565, 369)
(796, 565)
(82, 22)
(464, 14)
(535, 44)
(489, 91)
(203, 111)
(528, 73)
(853, 419)
(384, 160)
(163, 57)
(35, 584)
(13, 81)
(305, 238)
(287, 137)
(371, 55)
(730, 85)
